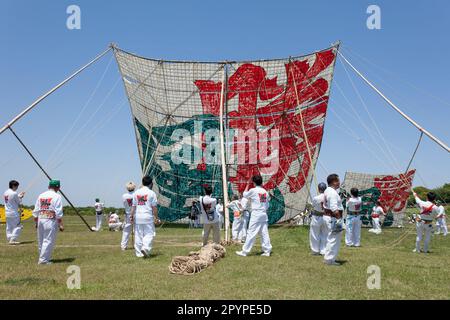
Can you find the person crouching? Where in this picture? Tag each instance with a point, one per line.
(114, 223)
(377, 212)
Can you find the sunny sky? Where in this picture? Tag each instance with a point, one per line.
(83, 133)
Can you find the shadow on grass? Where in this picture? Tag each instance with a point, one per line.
(27, 242)
(65, 260)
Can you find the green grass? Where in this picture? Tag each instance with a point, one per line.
(291, 272)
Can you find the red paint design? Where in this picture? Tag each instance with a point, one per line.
(45, 203)
(250, 85)
(141, 200)
(394, 191)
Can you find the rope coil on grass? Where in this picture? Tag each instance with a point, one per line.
(197, 261)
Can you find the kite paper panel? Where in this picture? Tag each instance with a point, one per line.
(268, 104)
(393, 191)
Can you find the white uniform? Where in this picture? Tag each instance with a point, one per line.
(377, 211)
(441, 224)
(219, 209)
(246, 206)
(332, 202)
(318, 230)
(13, 225)
(211, 221)
(238, 222)
(428, 211)
(353, 222)
(258, 220)
(48, 210)
(144, 226)
(114, 223)
(98, 215)
(127, 199)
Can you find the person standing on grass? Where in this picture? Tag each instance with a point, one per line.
(424, 222)
(98, 214)
(210, 216)
(220, 213)
(48, 213)
(13, 199)
(441, 224)
(245, 204)
(127, 199)
(144, 214)
(259, 198)
(318, 228)
(333, 210)
(377, 212)
(353, 221)
(236, 208)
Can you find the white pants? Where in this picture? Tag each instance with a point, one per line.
(143, 238)
(333, 241)
(236, 230)
(115, 226)
(376, 226)
(255, 228)
(126, 232)
(243, 232)
(98, 221)
(47, 230)
(13, 228)
(353, 230)
(441, 225)
(207, 227)
(423, 229)
(318, 233)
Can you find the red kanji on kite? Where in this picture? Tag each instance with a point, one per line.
(304, 87)
(394, 191)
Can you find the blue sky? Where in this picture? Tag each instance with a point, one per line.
(407, 59)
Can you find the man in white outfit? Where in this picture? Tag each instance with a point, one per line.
(245, 217)
(144, 213)
(318, 230)
(98, 214)
(238, 223)
(377, 212)
(424, 222)
(210, 217)
(441, 224)
(13, 199)
(259, 198)
(127, 199)
(48, 213)
(219, 208)
(353, 220)
(333, 210)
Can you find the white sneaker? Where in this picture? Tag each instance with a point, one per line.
(265, 254)
(241, 253)
(417, 251)
(13, 242)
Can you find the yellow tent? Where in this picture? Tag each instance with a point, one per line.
(26, 214)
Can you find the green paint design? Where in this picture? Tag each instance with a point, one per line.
(182, 181)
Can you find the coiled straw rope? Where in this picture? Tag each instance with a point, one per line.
(196, 262)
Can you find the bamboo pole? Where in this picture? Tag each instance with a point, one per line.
(37, 101)
(222, 158)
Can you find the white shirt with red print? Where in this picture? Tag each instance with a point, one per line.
(428, 210)
(377, 211)
(127, 199)
(144, 199)
(354, 205)
(259, 199)
(12, 203)
(48, 205)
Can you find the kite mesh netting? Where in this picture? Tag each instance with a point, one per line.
(269, 104)
(391, 190)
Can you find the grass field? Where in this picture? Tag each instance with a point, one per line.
(290, 273)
